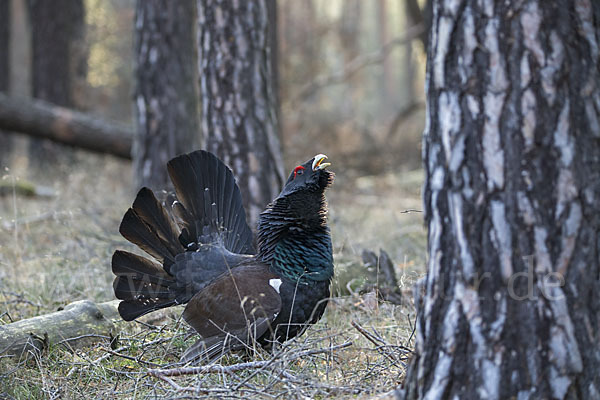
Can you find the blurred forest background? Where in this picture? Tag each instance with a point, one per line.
(348, 82)
(350, 85)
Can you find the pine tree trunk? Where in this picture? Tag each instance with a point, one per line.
(272, 12)
(512, 157)
(239, 114)
(5, 139)
(57, 26)
(166, 88)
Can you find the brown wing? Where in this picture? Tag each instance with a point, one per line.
(232, 311)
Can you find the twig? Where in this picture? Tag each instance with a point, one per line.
(7, 314)
(207, 369)
(377, 341)
(363, 332)
(218, 368)
(412, 327)
(19, 298)
(90, 335)
(136, 359)
(410, 210)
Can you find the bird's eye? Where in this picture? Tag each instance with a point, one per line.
(299, 170)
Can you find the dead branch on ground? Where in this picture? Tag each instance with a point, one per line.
(47, 121)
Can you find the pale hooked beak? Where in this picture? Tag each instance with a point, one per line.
(318, 162)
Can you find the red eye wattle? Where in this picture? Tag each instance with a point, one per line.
(299, 170)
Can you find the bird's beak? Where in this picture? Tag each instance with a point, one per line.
(318, 162)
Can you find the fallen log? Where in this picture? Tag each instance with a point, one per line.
(44, 120)
(79, 324)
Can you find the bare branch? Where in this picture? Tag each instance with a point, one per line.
(218, 368)
(359, 63)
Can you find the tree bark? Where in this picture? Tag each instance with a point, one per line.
(62, 125)
(5, 139)
(166, 88)
(512, 160)
(239, 113)
(57, 26)
(272, 12)
(79, 324)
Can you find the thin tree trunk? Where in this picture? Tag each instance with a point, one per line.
(238, 101)
(349, 34)
(166, 93)
(57, 26)
(5, 139)
(272, 11)
(386, 79)
(512, 161)
(349, 29)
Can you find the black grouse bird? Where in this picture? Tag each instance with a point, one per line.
(235, 295)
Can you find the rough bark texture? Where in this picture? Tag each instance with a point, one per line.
(43, 120)
(273, 21)
(512, 160)
(5, 139)
(57, 28)
(167, 88)
(239, 114)
(81, 323)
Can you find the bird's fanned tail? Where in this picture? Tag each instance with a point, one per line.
(209, 202)
(209, 230)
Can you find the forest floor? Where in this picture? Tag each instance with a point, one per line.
(57, 250)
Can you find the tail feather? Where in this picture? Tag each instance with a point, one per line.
(143, 285)
(208, 209)
(147, 225)
(136, 288)
(130, 310)
(137, 232)
(129, 264)
(154, 215)
(207, 191)
(182, 215)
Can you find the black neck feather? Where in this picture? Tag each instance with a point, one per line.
(305, 212)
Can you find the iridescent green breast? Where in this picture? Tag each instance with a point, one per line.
(302, 256)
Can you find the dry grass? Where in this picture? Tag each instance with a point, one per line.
(60, 252)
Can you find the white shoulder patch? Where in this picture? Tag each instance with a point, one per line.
(275, 284)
